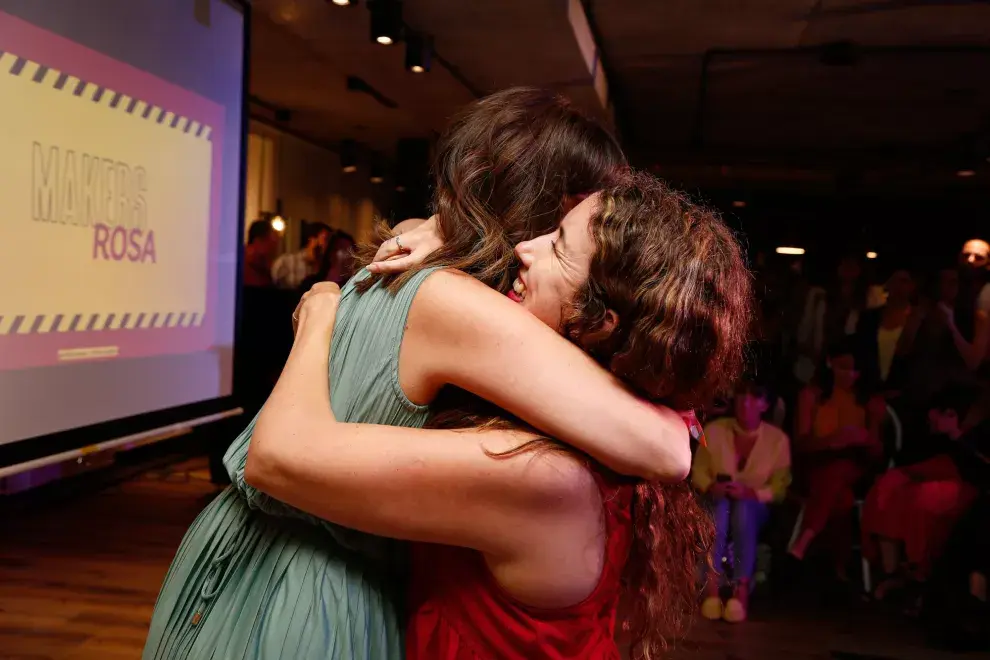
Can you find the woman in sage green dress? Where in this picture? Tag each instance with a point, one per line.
(254, 578)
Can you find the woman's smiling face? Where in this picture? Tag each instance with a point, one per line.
(555, 266)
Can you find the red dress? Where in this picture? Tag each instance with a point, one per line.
(917, 505)
(459, 612)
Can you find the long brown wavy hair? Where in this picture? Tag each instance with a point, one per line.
(676, 278)
(504, 170)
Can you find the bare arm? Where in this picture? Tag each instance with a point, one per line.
(462, 333)
(905, 343)
(424, 485)
(973, 353)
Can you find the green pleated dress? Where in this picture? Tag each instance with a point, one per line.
(257, 579)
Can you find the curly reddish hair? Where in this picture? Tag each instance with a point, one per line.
(676, 277)
(676, 280)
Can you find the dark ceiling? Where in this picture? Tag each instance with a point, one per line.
(814, 94)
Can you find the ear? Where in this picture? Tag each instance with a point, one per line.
(611, 321)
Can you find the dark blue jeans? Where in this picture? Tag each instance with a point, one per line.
(744, 518)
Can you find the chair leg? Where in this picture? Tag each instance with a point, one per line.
(864, 563)
(797, 529)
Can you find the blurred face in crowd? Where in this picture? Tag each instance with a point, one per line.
(948, 286)
(849, 270)
(975, 254)
(749, 409)
(844, 370)
(343, 254)
(318, 244)
(900, 287)
(943, 422)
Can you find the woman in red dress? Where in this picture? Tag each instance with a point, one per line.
(522, 548)
(910, 511)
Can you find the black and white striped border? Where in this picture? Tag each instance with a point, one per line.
(21, 324)
(26, 69)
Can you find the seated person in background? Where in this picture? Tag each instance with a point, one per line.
(745, 466)
(292, 268)
(259, 253)
(914, 506)
(838, 436)
(336, 264)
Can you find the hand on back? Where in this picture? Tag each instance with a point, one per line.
(408, 248)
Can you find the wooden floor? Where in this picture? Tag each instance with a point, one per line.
(79, 581)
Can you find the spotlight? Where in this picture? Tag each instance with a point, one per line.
(419, 52)
(739, 204)
(278, 224)
(871, 255)
(348, 156)
(377, 173)
(386, 21)
(790, 250)
(965, 174)
(342, 3)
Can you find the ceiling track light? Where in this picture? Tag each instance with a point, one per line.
(386, 21)
(377, 170)
(419, 52)
(344, 3)
(348, 156)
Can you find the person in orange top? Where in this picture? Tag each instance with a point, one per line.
(259, 253)
(839, 436)
(745, 466)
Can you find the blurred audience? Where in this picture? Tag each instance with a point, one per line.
(830, 314)
(879, 331)
(259, 253)
(838, 441)
(292, 268)
(969, 320)
(933, 346)
(974, 258)
(745, 466)
(336, 264)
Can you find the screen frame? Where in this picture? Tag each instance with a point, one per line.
(42, 446)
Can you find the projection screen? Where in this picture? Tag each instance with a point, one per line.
(121, 131)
